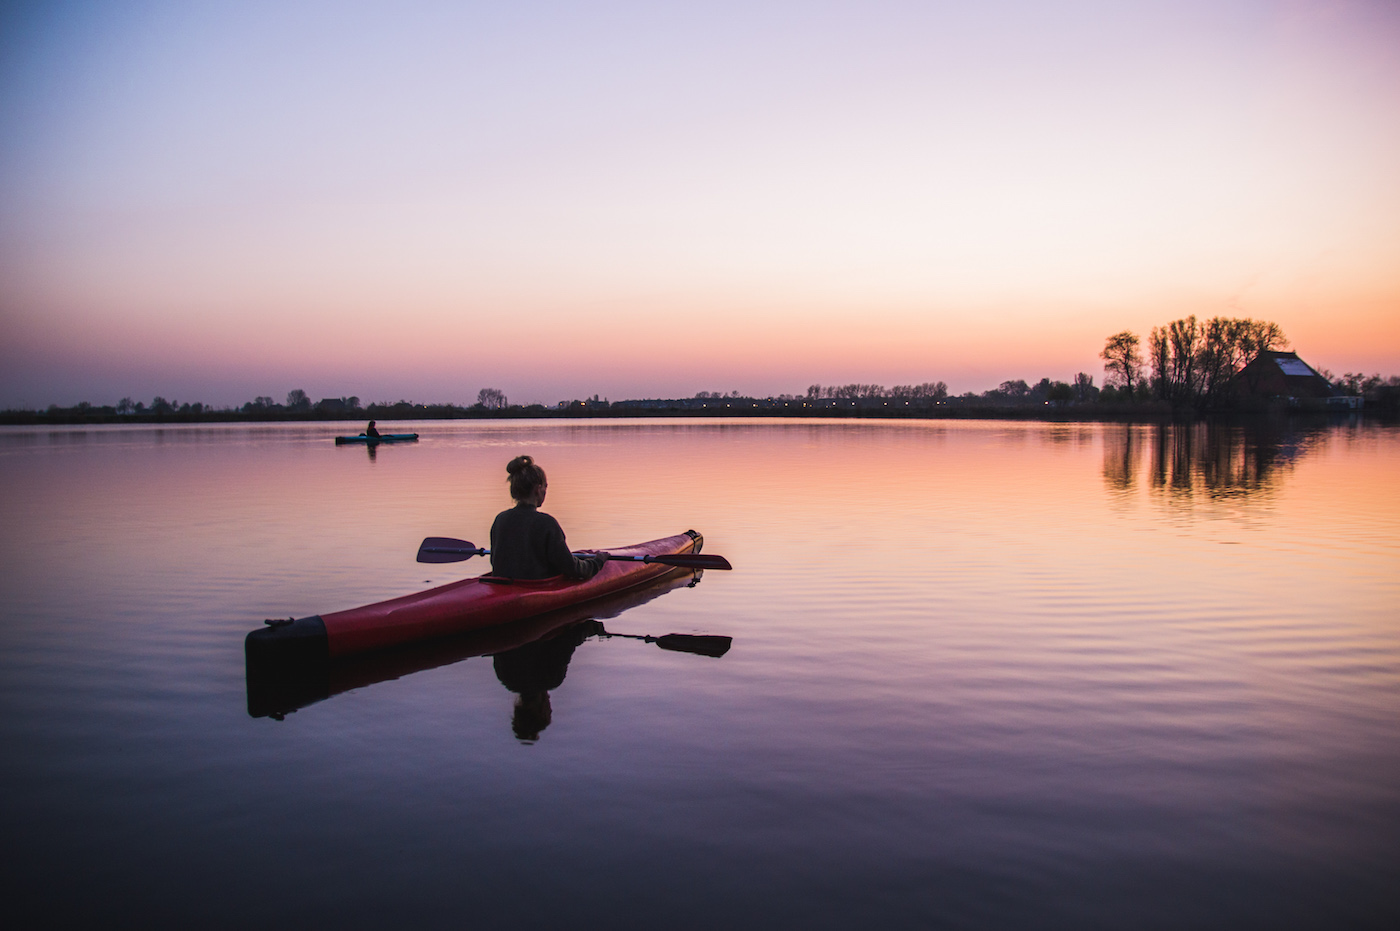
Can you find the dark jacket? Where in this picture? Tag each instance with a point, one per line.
(527, 543)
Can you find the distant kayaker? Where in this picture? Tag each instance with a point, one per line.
(527, 543)
(371, 432)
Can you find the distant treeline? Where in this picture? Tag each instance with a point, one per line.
(1194, 369)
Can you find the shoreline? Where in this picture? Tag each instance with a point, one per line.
(957, 410)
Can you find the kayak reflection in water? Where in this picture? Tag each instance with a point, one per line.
(533, 670)
(527, 543)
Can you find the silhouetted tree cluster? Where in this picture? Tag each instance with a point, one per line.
(86, 411)
(1017, 391)
(928, 391)
(1196, 363)
(846, 391)
(161, 407)
(1193, 363)
(1359, 384)
(1380, 393)
(1084, 389)
(491, 398)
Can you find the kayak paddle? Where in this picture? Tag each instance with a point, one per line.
(446, 549)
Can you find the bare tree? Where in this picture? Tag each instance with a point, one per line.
(1159, 357)
(1259, 336)
(1184, 338)
(297, 400)
(1122, 363)
(491, 398)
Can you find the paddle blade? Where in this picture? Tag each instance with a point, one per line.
(703, 644)
(446, 549)
(694, 561)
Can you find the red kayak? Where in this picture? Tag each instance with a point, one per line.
(470, 604)
(277, 688)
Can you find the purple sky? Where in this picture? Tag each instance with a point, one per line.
(212, 201)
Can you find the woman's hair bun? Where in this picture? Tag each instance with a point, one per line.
(525, 477)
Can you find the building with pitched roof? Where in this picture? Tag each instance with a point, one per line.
(1282, 375)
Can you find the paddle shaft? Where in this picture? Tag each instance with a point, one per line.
(446, 549)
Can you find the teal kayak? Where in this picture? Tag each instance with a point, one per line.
(382, 438)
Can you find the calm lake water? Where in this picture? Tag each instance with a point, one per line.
(982, 675)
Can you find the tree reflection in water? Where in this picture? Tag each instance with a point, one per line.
(1190, 463)
(1121, 446)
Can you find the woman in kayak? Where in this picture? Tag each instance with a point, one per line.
(527, 543)
(371, 432)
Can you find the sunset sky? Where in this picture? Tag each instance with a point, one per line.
(217, 200)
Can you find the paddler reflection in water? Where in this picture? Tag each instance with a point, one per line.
(526, 543)
(533, 670)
